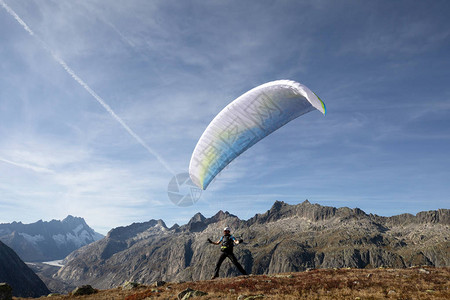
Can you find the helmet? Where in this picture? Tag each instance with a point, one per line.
(226, 229)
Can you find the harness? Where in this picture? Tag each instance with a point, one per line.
(227, 243)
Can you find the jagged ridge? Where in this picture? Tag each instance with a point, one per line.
(286, 238)
(45, 241)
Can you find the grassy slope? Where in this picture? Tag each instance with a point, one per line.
(412, 283)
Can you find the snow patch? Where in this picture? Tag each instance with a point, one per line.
(77, 229)
(34, 239)
(79, 240)
(60, 239)
(82, 239)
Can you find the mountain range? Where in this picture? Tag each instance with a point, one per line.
(46, 241)
(286, 238)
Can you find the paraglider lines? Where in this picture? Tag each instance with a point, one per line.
(86, 87)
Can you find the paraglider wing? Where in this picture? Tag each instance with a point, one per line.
(247, 120)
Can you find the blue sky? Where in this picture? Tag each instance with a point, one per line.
(166, 68)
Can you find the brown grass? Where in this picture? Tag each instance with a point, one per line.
(413, 283)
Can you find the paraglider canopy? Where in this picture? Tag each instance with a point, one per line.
(247, 120)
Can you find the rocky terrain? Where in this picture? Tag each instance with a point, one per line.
(334, 284)
(47, 241)
(24, 282)
(45, 273)
(287, 238)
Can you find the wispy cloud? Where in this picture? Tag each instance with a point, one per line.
(88, 89)
(27, 166)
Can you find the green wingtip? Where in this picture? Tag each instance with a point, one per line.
(323, 105)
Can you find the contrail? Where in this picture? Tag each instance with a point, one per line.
(86, 87)
(27, 166)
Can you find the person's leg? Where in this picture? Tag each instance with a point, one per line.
(236, 263)
(219, 263)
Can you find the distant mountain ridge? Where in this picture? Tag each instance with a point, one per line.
(286, 238)
(18, 275)
(46, 241)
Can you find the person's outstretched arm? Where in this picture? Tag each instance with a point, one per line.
(215, 243)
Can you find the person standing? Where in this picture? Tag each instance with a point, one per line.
(227, 241)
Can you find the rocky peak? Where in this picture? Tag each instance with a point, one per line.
(198, 217)
(73, 220)
(196, 223)
(69, 218)
(359, 212)
(220, 216)
(277, 205)
(44, 241)
(125, 232)
(279, 210)
(348, 213)
(275, 213)
(174, 227)
(313, 212)
(441, 216)
(161, 224)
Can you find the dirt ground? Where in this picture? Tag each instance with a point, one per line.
(357, 284)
